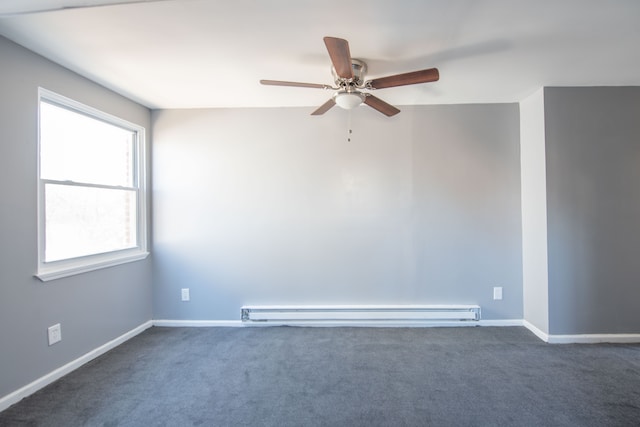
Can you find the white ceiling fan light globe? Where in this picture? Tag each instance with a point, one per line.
(349, 100)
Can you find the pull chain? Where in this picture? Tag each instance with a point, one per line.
(349, 131)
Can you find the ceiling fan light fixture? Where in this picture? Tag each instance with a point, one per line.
(349, 100)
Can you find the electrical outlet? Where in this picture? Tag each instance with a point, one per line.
(497, 293)
(55, 333)
(185, 294)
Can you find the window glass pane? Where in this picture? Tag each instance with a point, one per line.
(75, 147)
(86, 221)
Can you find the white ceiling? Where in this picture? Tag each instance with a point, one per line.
(212, 53)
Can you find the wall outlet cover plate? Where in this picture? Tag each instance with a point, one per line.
(54, 333)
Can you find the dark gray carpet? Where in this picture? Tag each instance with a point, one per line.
(343, 377)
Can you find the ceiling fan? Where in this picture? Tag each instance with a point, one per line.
(351, 88)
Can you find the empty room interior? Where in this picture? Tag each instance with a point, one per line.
(421, 191)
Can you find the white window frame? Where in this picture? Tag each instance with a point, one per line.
(67, 267)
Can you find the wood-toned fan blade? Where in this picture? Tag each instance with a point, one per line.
(294, 84)
(324, 107)
(340, 56)
(422, 76)
(378, 104)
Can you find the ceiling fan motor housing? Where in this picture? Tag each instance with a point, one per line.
(359, 70)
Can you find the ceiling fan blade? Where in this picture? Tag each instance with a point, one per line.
(324, 107)
(422, 76)
(378, 104)
(294, 84)
(340, 56)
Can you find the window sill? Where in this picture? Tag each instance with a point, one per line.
(71, 269)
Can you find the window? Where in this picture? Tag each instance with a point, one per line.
(91, 210)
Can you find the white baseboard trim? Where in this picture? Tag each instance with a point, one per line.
(197, 323)
(47, 379)
(537, 332)
(594, 339)
(582, 338)
(335, 323)
(501, 322)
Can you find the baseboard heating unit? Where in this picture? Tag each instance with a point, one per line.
(363, 314)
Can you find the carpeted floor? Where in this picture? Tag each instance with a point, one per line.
(284, 376)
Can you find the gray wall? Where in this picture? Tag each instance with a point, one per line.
(93, 308)
(593, 204)
(273, 206)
